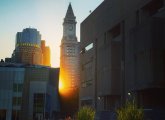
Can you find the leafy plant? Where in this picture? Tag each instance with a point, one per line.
(130, 112)
(86, 113)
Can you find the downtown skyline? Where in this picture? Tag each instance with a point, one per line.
(46, 16)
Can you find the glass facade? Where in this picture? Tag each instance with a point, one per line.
(17, 101)
(30, 36)
(17, 87)
(28, 47)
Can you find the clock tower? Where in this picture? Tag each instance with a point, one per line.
(69, 54)
(69, 25)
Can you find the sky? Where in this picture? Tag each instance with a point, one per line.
(44, 15)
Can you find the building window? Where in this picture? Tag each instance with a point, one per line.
(88, 71)
(87, 75)
(115, 31)
(39, 100)
(87, 48)
(86, 84)
(17, 101)
(17, 87)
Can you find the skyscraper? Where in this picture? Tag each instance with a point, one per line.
(28, 47)
(45, 53)
(69, 60)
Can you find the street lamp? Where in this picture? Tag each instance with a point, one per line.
(129, 94)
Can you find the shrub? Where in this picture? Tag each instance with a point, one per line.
(86, 113)
(130, 112)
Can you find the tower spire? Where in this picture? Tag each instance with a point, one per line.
(69, 13)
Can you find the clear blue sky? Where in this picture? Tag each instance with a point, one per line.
(45, 15)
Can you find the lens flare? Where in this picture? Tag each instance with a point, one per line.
(61, 86)
(64, 85)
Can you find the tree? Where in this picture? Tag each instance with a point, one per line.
(130, 112)
(86, 113)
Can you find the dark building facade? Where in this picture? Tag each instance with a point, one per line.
(122, 55)
(28, 92)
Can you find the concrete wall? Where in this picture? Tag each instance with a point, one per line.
(118, 30)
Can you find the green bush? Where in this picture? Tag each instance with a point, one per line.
(130, 112)
(86, 113)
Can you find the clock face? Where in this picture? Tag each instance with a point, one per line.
(70, 27)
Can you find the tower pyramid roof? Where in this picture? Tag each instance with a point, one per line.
(69, 13)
